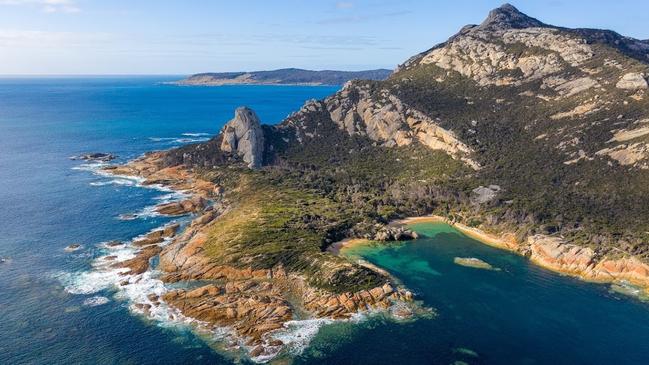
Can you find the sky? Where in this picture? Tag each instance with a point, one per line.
(181, 37)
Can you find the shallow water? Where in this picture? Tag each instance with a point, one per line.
(521, 314)
(55, 308)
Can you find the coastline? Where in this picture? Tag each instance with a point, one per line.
(255, 330)
(256, 308)
(347, 242)
(555, 255)
(215, 84)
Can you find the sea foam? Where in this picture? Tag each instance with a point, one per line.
(296, 335)
(95, 301)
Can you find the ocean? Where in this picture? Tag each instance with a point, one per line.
(57, 308)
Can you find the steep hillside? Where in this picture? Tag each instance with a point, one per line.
(555, 119)
(535, 134)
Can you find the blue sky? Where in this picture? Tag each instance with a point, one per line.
(188, 36)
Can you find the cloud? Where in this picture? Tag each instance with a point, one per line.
(362, 18)
(48, 6)
(344, 5)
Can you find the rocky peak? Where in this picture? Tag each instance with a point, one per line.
(244, 137)
(508, 17)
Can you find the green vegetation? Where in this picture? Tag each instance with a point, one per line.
(289, 213)
(593, 202)
(320, 184)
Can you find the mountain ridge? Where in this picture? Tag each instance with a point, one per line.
(534, 136)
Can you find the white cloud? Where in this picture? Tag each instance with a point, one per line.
(48, 6)
(344, 5)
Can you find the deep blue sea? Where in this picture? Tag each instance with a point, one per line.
(54, 309)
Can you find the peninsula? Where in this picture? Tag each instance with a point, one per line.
(530, 136)
(285, 76)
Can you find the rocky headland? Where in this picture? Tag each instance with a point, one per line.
(527, 136)
(251, 302)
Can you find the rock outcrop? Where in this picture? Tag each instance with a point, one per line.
(181, 207)
(553, 115)
(394, 233)
(243, 136)
(477, 55)
(507, 16)
(555, 254)
(482, 194)
(632, 81)
(384, 118)
(95, 156)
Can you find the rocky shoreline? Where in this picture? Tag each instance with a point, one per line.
(253, 304)
(554, 254)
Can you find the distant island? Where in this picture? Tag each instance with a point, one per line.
(285, 76)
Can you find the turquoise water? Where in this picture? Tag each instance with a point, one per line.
(519, 315)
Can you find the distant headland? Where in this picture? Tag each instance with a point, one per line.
(285, 76)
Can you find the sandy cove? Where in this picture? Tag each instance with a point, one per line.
(253, 304)
(554, 254)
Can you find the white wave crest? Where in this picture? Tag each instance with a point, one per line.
(187, 138)
(92, 281)
(297, 335)
(92, 167)
(171, 197)
(95, 301)
(198, 134)
(191, 140)
(125, 182)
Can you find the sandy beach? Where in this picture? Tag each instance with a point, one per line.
(562, 258)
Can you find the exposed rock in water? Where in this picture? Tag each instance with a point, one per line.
(114, 243)
(73, 247)
(140, 263)
(157, 235)
(395, 234)
(474, 263)
(127, 217)
(182, 207)
(96, 156)
(244, 137)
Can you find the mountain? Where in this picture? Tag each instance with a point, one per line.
(285, 76)
(531, 135)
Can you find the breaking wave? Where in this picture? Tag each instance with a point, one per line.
(95, 301)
